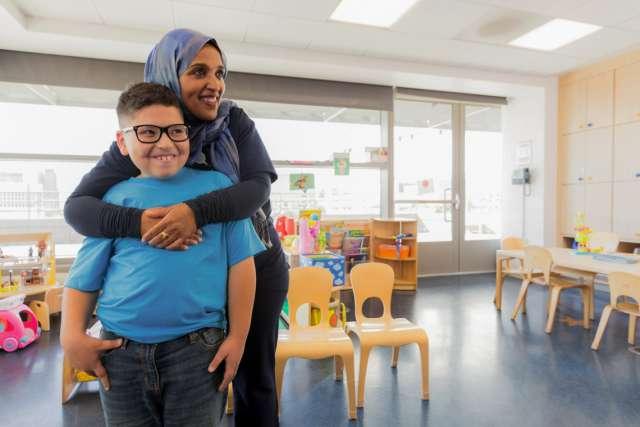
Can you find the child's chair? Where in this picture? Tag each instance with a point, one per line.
(375, 280)
(510, 267)
(621, 285)
(537, 259)
(44, 309)
(313, 285)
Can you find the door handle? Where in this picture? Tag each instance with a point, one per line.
(445, 205)
(456, 202)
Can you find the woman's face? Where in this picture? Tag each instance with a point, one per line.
(202, 84)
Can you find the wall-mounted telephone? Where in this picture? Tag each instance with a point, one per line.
(521, 176)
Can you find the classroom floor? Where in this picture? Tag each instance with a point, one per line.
(485, 370)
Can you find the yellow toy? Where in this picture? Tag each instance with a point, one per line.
(583, 234)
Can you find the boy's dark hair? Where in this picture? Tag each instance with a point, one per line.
(141, 95)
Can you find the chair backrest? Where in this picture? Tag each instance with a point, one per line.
(372, 279)
(624, 285)
(537, 259)
(309, 285)
(511, 242)
(604, 239)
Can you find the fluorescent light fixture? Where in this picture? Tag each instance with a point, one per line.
(554, 34)
(379, 13)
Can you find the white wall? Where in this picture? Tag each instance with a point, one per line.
(531, 116)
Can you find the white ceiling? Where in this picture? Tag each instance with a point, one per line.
(295, 37)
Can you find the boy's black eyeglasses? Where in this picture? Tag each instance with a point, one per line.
(150, 134)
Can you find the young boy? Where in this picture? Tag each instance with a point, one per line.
(163, 312)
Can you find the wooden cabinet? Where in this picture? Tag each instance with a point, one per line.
(586, 104)
(384, 231)
(600, 100)
(597, 206)
(573, 106)
(587, 156)
(627, 153)
(592, 199)
(627, 93)
(626, 210)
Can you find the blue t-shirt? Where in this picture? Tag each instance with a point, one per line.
(153, 295)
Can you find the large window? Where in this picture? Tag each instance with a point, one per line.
(302, 140)
(52, 136)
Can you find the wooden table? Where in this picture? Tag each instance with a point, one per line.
(51, 301)
(565, 261)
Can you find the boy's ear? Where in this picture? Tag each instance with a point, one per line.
(121, 143)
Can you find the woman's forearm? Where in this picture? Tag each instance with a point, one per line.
(232, 203)
(93, 217)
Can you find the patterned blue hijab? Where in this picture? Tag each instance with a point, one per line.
(210, 140)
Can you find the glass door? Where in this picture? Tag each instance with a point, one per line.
(448, 173)
(481, 190)
(425, 184)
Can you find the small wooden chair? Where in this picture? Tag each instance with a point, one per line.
(313, 285)
(621, 285)
(44, 309)
(375, 280)
(512, 266)
(537, 259)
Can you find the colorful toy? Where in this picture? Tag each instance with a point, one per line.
(18, 324)
(583, 234)
(333, 263)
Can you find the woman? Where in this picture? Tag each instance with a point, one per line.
(222, 137)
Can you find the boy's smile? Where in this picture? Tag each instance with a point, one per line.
(163, 158)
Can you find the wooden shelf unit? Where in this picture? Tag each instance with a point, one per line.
(405, 269)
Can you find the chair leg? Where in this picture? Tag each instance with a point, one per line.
(631, 336)
(347, 360)
(586, 304)
(362, 372)
(68, 380)
(555, 297)
(521, 297)
(41, 310)
(424, 356)
(394, 358)
(524, 303)
(280, 364)
(604, 319)
(337, 361)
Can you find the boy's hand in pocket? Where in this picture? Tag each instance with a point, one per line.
(84, 354)
(230, 352)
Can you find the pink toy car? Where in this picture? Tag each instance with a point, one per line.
(18, 324)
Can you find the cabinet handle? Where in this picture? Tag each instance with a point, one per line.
(579, 178)
(589, 124)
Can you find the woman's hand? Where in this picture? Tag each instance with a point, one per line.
(172, 228)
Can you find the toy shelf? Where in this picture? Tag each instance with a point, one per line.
(384, 231)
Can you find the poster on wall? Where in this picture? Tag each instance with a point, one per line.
(301, 181)
(524, 153)
(341, 163)
(425, 186)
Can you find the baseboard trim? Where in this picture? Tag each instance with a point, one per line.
(459, 273)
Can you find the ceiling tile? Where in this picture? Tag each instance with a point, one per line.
(606, 13)
(66, 10)
(227, 4)
(601, 44)
(551, 8)
(223, 24)
(312, 10)
(141, 14)
(280, 31)
(444, 18)
(344, 38)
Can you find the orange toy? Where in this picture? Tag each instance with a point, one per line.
(389, 251)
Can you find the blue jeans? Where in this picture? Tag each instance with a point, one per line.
(165, 384)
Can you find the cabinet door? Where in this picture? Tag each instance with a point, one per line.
(597, 206)
(626, 210)
(600, 100)
(573, 158)
(598, 155)
(627, 91)
(627, 152)
(572, 203)
(573, 107)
